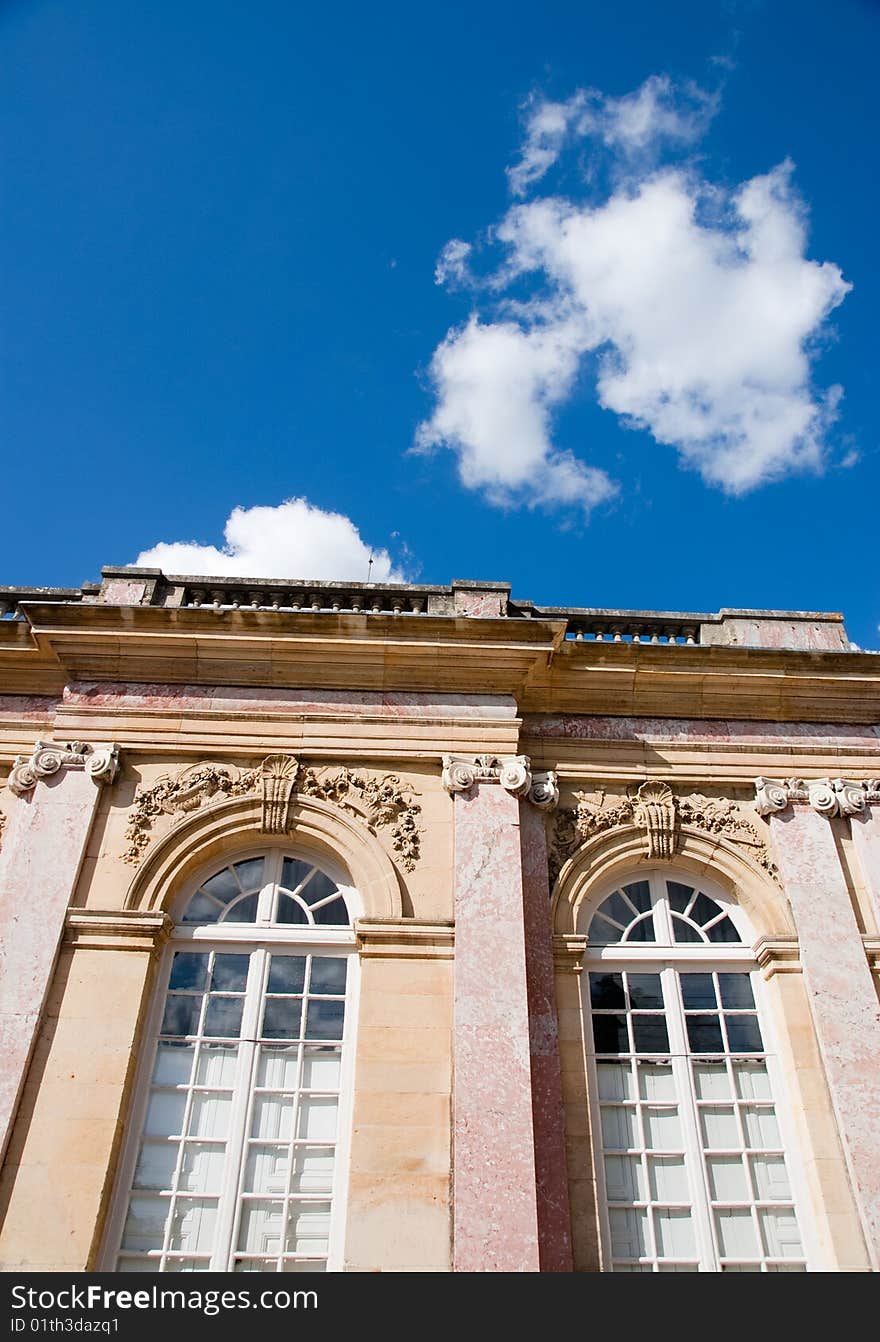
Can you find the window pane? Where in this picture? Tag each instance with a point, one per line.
(679, 895)
(752, 1081)
(223, 886)
(278, 1068)
(675, 1233)
(602, 932)
(744, 1035)
(294, 872)
(712, 1081)
(321, 1067)
(245, 911)
(318, 888)
(282, 1017)
(334, 914)
(683, 931)
(736, 990)
(260, 1229)
(290, 911)
(145, 1223)
(308, 1227)
(606, 990)
(217, 1065)
(312, 1169)
(644, 990)
(656, 1081)
(704, 910)
(629, 1232)
(762, 1130)
(328, 975)
(771, 1178)
(189, 969)
(202, 1167)
(639, 894)
(615, 1081)
(173, 1064)
(736, 1234)
(609, 1034)
(723, 931)
(250, 873)
(230, 973)
(155, 1167)
(317, 1118)
(698, 991)
(273, 1117)
(727, 1179)
(668, 1179)
(780, 1233)
(223, 1017)
(720, 1128)
(201, 909)
(209, 1116)
(649, 1034)
(643, 930)
(325, 1019)
(182, 1015)
(165, 1113)
(624, 1179)
(266, 1169)
(616, 908)
(662, 1129)
(619, 1128)
(704, 1034)
(287, 974)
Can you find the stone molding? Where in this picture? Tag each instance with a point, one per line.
(47, 758)
(828, 796)
(116, 929)
(377, 803)
(660, 814)
(777, 955)
(569, 949)
(404, 939)
(513, 772)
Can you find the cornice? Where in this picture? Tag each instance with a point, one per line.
(828, 796)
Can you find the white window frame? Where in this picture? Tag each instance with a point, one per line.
(245, 938)
(670, 957)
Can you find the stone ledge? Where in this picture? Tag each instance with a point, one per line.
(777, 955)
(404, 939)
(118, 930)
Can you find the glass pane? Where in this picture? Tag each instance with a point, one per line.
(662, 1129)
(698, 992)
(281, 1017)
(188, 1264)
(644, 991)
(761, 1127)
(277, 1068)
(230, 973)
(260, 1227)
(609, 1034)
(619, 1128)
(639, 894)
(683, 931)
(712, 1081)
(189, 969)
(629, 1232)
(255, 1265)
(736, 1234)
(704, 909)
(736, 990)
(624, 1179)
(308, 1227)
(201, 909)
(290, 911)
(223, 1017)
(245, 911)
(643, 930)
(656, 1081)
(771, 1178)
(165, 1113)
(312, 1169)
(675, 1233)
(223, 886)
(727, 1179)
(209, 1116)
(303, 1265)
(334, 914)
(325, 1019)
(616, 908)
(319, 887)
(294, 872)
(250, 873)
(156, 1164)
(723, 931)
(668, 1179)
(202, 1168)
(317, 1118)
(287, 974)
(181, 1015)
(752, 1081)
(704, 1034)
(606, 990)
(720, 1129)
(328, 975)
(217, 1066)
(744, 1034)
(321, 1068)
(145, 1223)
(780, 1231)
(615, 1081)
(679, 895)
(174, 1064)
(602, 932)
(272, 1117)
(266, 1170)
(649, 1034)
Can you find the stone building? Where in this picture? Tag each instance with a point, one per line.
(419, 928)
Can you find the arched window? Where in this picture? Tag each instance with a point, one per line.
(237, 1164)
(691, 1163)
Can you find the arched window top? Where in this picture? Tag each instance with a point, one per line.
(662, 912)
(275, 890)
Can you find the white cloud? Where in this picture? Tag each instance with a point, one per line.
(292, 540)
(452, 263)
(547, 128)
(699, 306)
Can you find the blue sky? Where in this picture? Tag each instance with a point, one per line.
(646, 378)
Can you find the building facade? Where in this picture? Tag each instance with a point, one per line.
(360, 928)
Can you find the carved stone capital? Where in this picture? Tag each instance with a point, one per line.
(827, 796)
(101, 763)
(513, 772)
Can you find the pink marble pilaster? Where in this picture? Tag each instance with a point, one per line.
(554, 1217)
(843, 1000)
(866, 841)
(494, 1183)
(43, 846)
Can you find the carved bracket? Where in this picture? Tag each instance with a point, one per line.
(655, 809)
(101, 763)
(828, 796)
(513, 772)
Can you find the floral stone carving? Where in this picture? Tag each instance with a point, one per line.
(655, 809)
(180, 793)
(380, 803)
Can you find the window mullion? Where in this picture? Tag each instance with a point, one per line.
(690, 1123)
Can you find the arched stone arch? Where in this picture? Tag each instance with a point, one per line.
(317, 828)
(621, 851)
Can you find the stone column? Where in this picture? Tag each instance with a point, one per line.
(866, 841)
(842, 995)
(43, 846)
(498, 1212)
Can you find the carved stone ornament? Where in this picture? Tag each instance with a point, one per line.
(828, 796)
(513, 772)
(655, 809)
(101, 763)
(378, 803)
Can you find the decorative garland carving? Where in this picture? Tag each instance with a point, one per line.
(179, 794)
(101, 763)
(378, 803)
(828, 796)
(655, 809)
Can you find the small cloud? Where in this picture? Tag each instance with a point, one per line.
(291, 540)
(852, 458)
(452, 264)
